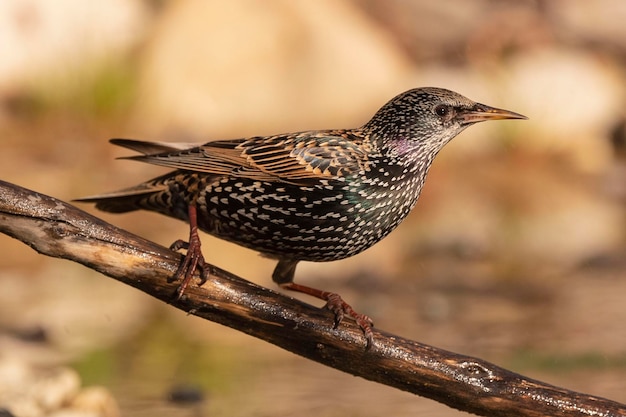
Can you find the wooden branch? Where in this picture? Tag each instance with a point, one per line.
(57, 229)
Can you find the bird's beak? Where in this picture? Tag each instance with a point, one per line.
(482, 112)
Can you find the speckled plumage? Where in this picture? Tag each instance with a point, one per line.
(308, 196)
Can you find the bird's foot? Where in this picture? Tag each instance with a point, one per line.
(340, 308)
(193, 260)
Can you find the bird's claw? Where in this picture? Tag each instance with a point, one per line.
(193, 260)
(179, 244)
(340, 308)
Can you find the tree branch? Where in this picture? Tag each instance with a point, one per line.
(57, 229)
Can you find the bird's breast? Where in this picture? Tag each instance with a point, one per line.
(327, 220)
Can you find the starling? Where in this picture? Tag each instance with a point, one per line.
(315, 196)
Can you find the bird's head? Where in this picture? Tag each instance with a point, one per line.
(423, 120)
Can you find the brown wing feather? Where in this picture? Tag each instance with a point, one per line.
(301, 156)
(307, 155)
(152, 148)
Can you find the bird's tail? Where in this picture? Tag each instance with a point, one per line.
(120, 201)
(146, 196)
(152, 148)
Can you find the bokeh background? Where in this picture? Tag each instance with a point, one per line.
(515, 253)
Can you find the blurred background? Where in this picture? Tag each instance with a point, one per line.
(515, 253)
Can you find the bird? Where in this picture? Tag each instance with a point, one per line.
(320, 195)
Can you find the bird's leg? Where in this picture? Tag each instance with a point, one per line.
(283, 276)
(193, 259)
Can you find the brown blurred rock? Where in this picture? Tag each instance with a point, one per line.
(217, 69)
(56, 47)
(91, 401)
(79, 311)
(595, 24)
(518, 208)
(452, 32)
(29, 391)
(572, 100)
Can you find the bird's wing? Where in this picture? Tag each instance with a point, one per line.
(290, 158)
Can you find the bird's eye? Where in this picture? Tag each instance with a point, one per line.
(443, 110)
